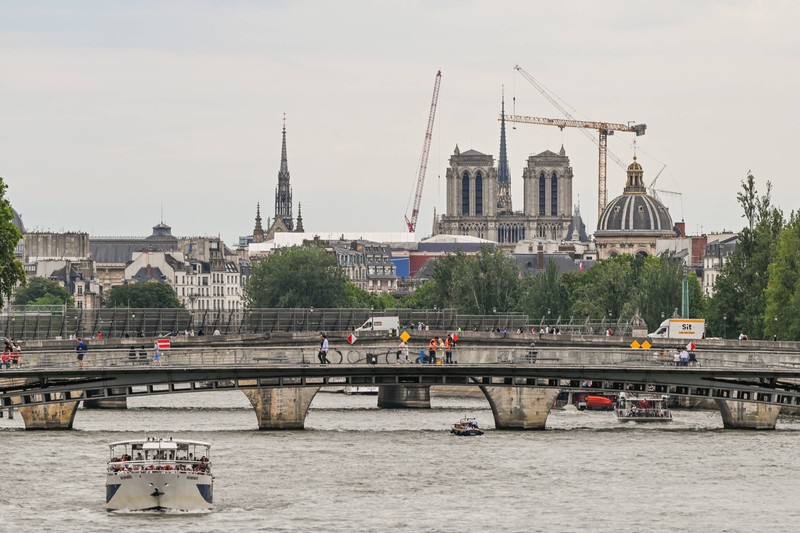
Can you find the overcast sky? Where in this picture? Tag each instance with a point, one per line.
(111, 110)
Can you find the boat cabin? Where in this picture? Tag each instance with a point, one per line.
(159, 453)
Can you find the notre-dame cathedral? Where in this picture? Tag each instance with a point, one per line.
(479, 200)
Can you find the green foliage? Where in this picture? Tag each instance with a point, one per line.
(299, 276)
(356, 297)
(150, 295)
(783, 285)
(546, 294)
(626, 284)
(740, 289)
(42, 291)
(425, 297)
(11, 271)
(482, 284)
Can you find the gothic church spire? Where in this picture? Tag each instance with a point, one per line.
(503, 174)
(283, 193)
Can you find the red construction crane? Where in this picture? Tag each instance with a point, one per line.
(423, 162)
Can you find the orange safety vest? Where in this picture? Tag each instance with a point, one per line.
(447, 344)
(432, 345)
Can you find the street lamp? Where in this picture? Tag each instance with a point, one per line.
(725, 326)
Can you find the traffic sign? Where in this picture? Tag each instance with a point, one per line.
(351, 338)
(635, 345)
(163, 344)
(691, 346)
(405, 336)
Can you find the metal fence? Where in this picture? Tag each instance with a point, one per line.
(59, 322)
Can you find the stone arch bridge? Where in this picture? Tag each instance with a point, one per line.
(520, 386)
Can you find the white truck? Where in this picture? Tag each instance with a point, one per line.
(381, 323)
(680, 328)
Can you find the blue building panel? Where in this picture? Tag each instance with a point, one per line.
(403, 266)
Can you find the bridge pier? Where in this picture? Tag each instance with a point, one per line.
(59, 415)
(517, 408)
(404, 397)
(748, 415)
(281, 408)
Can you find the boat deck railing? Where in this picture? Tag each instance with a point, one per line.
(163, 465)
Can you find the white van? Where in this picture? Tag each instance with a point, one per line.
(381, 323)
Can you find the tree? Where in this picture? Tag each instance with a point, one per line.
(42, 291)
(783, 285)
(545, 294)
(740, 290)
(626, 284)
(152, 295)
(482, 284)
(11, 271)
(300, 276)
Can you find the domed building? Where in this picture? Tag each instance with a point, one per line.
(631, 223)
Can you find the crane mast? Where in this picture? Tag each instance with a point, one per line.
(423, 162)
(604, 129)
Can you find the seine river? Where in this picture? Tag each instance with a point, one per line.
(357, 468)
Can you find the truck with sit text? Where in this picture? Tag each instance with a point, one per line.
(680, 328)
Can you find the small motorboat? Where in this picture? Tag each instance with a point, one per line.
(466, 427)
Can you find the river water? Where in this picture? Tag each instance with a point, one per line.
(357, 468)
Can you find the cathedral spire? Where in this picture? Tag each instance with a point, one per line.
(299, 228)
(258, 231)
(283, 194)
(503, 174)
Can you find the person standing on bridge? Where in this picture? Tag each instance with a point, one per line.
(323, 349)
(156, 354)
(81, 351)
(432, 346)
(449, 344)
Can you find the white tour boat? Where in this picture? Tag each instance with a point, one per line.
(642, 407)
(159, 475)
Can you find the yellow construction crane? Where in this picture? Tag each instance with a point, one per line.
(604, 129)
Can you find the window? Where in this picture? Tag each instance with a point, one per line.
(554, 194)
(465, 194)
(542, 190)
(478, 193)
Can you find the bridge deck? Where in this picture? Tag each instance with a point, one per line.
(49, 385)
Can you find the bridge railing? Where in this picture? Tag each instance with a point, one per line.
(137, 356)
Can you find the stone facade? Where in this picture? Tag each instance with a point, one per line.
(477, 204)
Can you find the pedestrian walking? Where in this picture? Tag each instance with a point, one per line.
(402, 352)
(323, 349)
(156, 354)
(80, 349)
